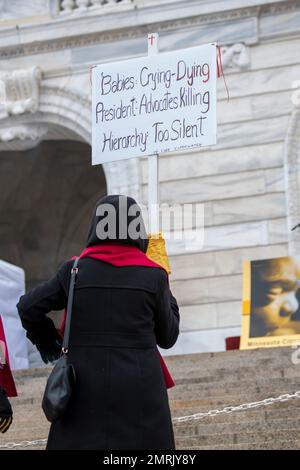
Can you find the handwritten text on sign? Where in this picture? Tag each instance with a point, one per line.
(154, 104)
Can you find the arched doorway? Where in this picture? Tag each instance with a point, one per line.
(47, 196)
(48, 185)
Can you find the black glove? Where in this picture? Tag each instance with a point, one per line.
(5, 424)
(50, 351)
(5, 412)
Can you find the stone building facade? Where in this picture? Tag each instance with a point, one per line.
(249, 182)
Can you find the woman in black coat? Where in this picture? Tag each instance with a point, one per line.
(120, 313)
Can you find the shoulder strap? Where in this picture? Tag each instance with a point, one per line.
(74, 272)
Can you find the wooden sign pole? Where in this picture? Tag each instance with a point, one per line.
(153, 194)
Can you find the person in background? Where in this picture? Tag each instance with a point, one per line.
(7, 385)
(123, 308)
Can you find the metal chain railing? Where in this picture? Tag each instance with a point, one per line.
(243, 407)
(12, 445)
(183, 419)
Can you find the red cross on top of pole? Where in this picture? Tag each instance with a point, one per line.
(151, 38)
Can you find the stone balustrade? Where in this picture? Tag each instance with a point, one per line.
(69, 6)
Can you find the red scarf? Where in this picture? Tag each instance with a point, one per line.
(122, 254)
(6, 379)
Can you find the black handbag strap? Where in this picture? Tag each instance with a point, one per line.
(74, 272)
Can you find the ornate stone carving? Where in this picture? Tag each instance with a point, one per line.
(23, 132)
(236, 56)
(292, 175)
(97, 2)
(67, 6)
(82, 4)
(66, 108)
(21, 90)
(275, 8)
(84, 39)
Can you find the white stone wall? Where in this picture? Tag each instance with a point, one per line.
(22, 8)
(241, 180)
(242, 184)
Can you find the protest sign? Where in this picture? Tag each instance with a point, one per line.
(154, 104)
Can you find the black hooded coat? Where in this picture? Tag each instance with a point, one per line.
(119, 315)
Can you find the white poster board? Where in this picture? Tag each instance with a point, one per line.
(12, 286)
(154, 104)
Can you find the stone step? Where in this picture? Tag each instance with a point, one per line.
(187, 400)
(229, 359)
(260, 437)
(236, 385)
(208, 390)
(19, 402)
(31, 373)
(35, 388)
(203, 404)
(222, 361)
(26, 428)
(280, 357)
(277, 445)
(274, 411)
(204, 382)
(221, 376)
(243, 373)
(196, 428)
(31, 447)
(29, 423)
(32, 387)
(235, 355)
(194, 399)
(245, 396)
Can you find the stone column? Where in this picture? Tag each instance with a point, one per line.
(292, 175)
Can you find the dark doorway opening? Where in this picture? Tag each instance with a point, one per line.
(47, 197)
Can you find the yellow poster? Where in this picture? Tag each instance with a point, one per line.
(271, 303)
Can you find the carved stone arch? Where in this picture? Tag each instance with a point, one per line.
(38, 103)
(67, 108)
(29, 121)
(70, 109)
(292, 176)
